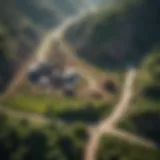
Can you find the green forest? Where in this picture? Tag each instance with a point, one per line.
(119, 36)
(21, 139)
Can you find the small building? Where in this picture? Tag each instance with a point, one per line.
(57, 78)
(44, 81)
(71, 79)
(33, 74)
(45, 68)
(71, 76)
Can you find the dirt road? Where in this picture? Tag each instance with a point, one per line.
(109, 123)
(123, 104)
(56, 34)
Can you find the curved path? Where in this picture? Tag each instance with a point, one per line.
(57, 34)
(107, 125)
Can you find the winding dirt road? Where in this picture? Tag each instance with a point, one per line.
(57, 34)
(108, 124)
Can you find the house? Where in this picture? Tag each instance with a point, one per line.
(45, 68)
(57, 78)
(33, 74)
(44, 81)
(71, 76)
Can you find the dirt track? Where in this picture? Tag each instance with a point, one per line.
(108, 125)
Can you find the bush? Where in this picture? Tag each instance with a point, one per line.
(41, 142)
(112, 148)
(152, 92)
(89, 113)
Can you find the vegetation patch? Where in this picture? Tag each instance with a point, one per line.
(112, 148)
(117, 37)
(21, 140)
(143, 117)
(69, 109)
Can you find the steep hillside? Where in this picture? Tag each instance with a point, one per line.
(120, 35)
(50, 13)
(23, 23)
(18, 38)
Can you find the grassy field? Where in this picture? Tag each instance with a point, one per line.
(69, 109)
(39, 103)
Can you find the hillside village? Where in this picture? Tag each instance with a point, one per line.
(62, 74)
(55, 76)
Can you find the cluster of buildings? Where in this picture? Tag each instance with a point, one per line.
(50, 75)
(64, 77)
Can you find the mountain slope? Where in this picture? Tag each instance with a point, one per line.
(25, 22)
(18, 38)
(121, 35)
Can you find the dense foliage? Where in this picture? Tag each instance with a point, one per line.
(18, 38)
(89, 113)
(112, 148)
(20, 140)
(67, 109)
(144, 115)
(118, 36)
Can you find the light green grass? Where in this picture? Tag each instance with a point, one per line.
(39, 104)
